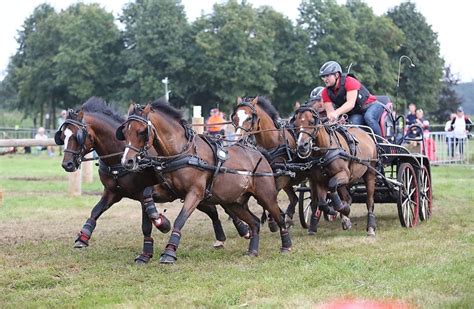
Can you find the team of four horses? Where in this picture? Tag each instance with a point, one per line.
(154, 156)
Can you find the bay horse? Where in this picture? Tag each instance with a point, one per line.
(344, 156)
(200, 171)
(260, 118)
(93, 128)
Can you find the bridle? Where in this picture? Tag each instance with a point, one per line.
(81, 136)
(254, 118)
(143, 151)
(315, 124)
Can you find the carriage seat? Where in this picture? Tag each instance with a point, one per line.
(386, 120)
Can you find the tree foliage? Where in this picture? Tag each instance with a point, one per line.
(64, 58)
(421, 84)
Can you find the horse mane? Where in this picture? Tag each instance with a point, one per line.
(163, 105)
(98, 105)
(268, 108)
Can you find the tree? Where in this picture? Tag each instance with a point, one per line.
(31, 70)
(155, 37)
(292, 73)
(87, 62)
(448, 100)
(232, 56)
(421, 84)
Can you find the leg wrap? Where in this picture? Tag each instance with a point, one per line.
(338, 206)
(285, 240)
(86, 231)
(253, 245)
(151, 210)
(326, 209)
(147, 253)
(242, 228)
(219, 231)
(174, 240)
(371, 221)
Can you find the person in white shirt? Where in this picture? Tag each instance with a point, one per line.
(41, 135)
(449, 135)
(460, 126)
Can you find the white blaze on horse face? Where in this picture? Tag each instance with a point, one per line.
(242, 116)
(300, 136)
(67, 134)
(125, 153)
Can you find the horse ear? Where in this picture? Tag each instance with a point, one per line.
(254, 101)
(239, 100)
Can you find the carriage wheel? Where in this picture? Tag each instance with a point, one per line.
(426, 193)
(304, 208)
(408, 196)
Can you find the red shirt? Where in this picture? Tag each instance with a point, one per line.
(351, 84)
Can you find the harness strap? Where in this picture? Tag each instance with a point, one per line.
(116, 171)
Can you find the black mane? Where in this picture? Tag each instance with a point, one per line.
(268, 107)
(98, 105)
(163, 106)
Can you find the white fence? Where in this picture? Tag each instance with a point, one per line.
(447, 150)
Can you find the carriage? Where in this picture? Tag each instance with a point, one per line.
(404, 177)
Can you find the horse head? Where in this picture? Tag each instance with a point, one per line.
(74, 136)
(305, 122)
(136, 131)
(244, 116)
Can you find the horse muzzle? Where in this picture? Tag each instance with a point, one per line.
(304, 150)
(69, 166)
(130, 164)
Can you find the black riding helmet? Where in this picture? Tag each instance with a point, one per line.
(330, 67)
(315, 94)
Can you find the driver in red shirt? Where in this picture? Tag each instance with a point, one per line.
(349, 97)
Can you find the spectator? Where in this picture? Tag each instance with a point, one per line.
(410, 120)
(215, 122)
(41, 135)
(450, 136)
(460, 126)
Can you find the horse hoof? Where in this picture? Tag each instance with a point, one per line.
(246, 236)
(218, 244)
(370, 232)
(346, 224)
(167, 259)
(273, 226)
(252, 253)
(311, 233)
(285, 250)
(79, 245)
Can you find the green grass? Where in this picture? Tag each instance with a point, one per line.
(429, 266)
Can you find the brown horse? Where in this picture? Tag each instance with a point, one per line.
(343, 158)
(93, 128)
(259, 117)
(228, 176)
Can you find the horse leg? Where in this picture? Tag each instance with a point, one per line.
(269, 202)
(320, 191)
(254, 225)
(346, 201)
(211, 212)
(108, 199)
(159, 220)
(147, 252)
(336, 181)
(369, 179)
(190, 203)
(290, 210)
(241, 227)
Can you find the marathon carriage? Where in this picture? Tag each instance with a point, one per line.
(404, 177)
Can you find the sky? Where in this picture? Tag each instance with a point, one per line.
(451, 20)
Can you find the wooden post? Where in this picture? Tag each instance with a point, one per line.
(87, 169)
(198, 119)
(75, 186)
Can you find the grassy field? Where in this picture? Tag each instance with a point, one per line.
(429, 266)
